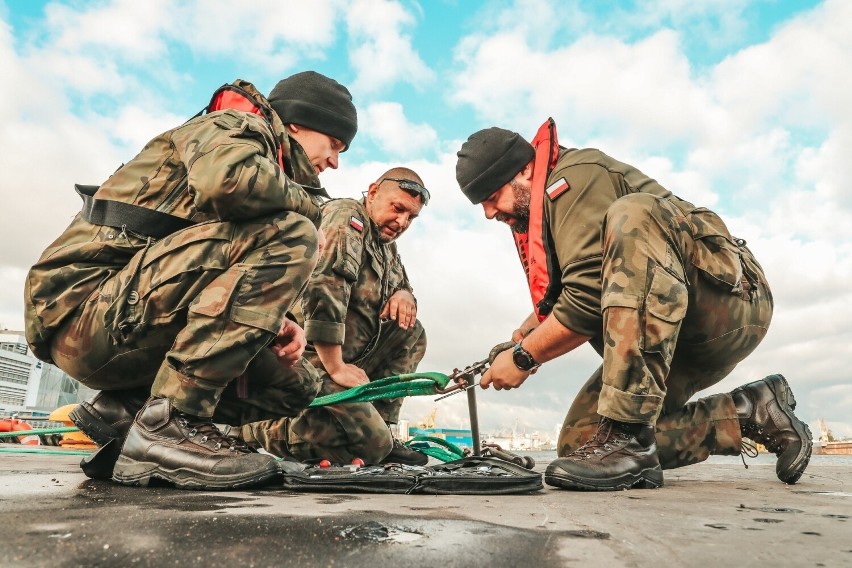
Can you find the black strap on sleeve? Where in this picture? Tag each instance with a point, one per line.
(118, 214)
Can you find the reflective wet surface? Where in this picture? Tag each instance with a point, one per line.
(705, 515)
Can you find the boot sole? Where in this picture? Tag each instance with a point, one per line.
(646, 479)
(128, 471)
(786, 400)
(87, 420)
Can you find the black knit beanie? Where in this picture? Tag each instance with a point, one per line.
(317, 102)
(489, 160)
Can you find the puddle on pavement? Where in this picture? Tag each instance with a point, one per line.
(771, 509)
(378, 539)
(827, 493)
(166, 498)
(586, 534)
(377, 532)
(336, 499)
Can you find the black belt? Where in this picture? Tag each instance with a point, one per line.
(120, 215)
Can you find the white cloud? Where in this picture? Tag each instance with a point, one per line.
(762, 137)
(381, 53)
(130, 29)
(386, 124)
(764, 133)
(266, 33)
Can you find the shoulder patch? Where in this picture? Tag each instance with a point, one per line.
(557, 188)
(356, 223)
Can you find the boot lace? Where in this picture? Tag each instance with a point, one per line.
(759, 435)
(747, 449)
(207, 433)
(607, 437)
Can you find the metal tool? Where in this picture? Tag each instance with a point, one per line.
(464, 380)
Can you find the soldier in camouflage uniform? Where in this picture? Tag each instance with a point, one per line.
(360, 317)
(662, 291)
(181, 317)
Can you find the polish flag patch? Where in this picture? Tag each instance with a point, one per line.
(356, 223)
(557, 188)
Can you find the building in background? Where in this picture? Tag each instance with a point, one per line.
(30, 386)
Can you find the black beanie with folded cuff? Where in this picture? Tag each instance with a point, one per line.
(317, 102)
(488, 160)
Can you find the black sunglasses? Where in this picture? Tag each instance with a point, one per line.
(411, 186)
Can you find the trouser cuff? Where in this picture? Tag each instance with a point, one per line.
(187, 394)
(628, 407)
(729, 436)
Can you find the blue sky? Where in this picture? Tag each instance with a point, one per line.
(742, 106)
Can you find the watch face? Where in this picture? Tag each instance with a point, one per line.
(522, 359)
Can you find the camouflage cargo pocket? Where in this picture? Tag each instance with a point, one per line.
(716, 254)
(347, 261)
(665, 308)
(164, 278)
(123, 314)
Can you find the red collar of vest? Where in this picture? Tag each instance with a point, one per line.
(234, 97)
(532, 247)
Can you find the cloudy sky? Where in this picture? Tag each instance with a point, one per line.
(742, 106)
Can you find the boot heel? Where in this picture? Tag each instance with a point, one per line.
(131, 472)
(650, 479)
(89, 424)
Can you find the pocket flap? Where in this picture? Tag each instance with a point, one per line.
(715, 253)
(667, 297)
(620, 300)
(209, 231)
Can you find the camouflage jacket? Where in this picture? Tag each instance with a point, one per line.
(220, 166)
(355, 277)
(575, 219)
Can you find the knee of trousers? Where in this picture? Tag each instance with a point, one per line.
(345, 431)
(369, 437)
(285, 237)
(375, 448)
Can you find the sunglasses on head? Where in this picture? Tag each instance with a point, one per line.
(412, 187)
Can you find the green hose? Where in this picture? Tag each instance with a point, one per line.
(407, 384)
(38, 431)
(437, 448)
(37, 450)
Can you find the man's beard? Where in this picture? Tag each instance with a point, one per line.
(384, 239)
(521, 207)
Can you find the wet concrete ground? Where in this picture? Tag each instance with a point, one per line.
(705, 515)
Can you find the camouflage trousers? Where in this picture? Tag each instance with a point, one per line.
(192, 312)
(683, 303)
(342, 432)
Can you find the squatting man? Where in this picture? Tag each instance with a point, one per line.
(360, 318)
(662, 291)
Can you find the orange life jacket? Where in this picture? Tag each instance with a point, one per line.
(534, 246)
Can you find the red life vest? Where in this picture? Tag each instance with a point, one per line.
(534, 246)
(231, 96)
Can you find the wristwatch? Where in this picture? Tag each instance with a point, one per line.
(522, 358)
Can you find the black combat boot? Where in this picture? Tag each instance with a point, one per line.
(110, 414)
(618, 456)
(402, 454)
(187, 451)
(765, 409)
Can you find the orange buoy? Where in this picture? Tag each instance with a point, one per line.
(15, 425)
(70, 439)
